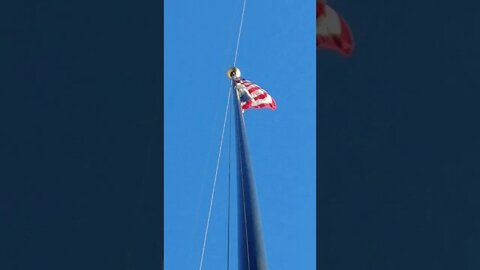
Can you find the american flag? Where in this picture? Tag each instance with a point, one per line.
(253, 96)
(332, 30)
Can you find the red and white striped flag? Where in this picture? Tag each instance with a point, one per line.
(253, 96)
(332, 30)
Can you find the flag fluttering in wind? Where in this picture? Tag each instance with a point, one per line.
(253, 96)
(332, 30)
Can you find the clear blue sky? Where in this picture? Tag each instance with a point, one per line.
(277, 51)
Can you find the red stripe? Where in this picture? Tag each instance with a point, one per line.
(247, 105)
(320, 8)
(253, 89)
(261, 96)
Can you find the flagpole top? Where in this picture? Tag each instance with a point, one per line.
(233, 72)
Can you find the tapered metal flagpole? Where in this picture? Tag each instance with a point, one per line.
(251, 250)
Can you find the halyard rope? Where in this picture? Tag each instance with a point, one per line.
(215, 180)
(221, 140)
(239, 32)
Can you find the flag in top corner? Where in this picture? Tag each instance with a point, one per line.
(253, 96)
(333, 31)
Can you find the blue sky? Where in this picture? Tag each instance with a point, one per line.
(277, 52)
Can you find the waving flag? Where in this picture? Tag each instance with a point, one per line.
(252, 96)
(332, 30)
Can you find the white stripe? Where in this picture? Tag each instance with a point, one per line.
(258, 92)
(267, 100)
(329, 23)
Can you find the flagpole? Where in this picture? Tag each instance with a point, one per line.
(251, 250)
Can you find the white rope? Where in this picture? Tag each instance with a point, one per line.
(239, 32)
(221, 140)
(215, 180)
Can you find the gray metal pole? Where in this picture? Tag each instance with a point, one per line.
(251, 252)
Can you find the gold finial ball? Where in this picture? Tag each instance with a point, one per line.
(233, 72)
